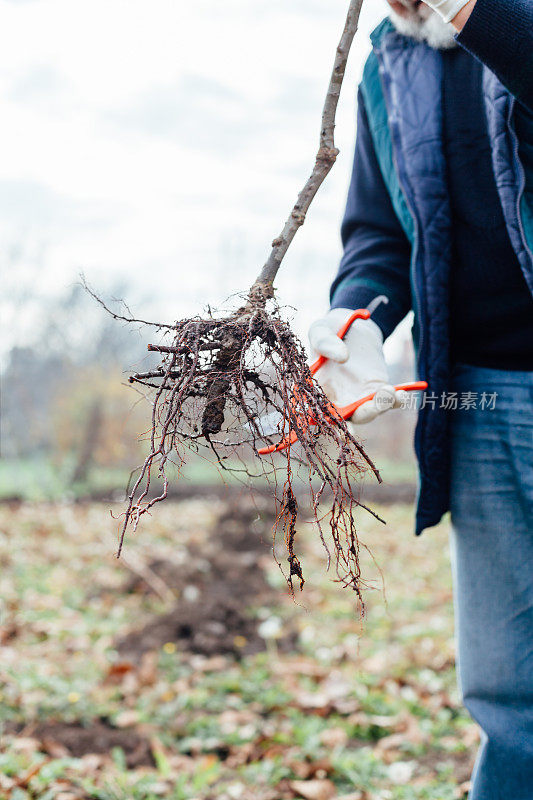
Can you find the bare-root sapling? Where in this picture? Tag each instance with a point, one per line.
(220, 375)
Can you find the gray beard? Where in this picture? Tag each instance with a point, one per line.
(430, 29)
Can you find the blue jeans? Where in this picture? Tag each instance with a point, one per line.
(492, 558)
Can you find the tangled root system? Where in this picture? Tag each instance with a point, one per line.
(218, 378)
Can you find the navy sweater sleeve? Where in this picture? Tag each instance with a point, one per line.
(376, 250)
(500, 34)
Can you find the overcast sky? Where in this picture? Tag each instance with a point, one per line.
(163, 143)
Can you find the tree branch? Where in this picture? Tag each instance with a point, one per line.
(326, 156)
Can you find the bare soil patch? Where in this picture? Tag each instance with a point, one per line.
(217, 586)
(97, 737)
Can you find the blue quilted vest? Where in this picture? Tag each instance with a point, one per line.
(401, 87)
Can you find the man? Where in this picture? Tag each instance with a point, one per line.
(439, 219)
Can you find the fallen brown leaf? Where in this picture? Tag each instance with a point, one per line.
(54, 749)
(314, 790)
(117, 671)
(334, 737)
(311, 769)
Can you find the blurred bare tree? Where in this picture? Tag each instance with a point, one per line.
(62, 390)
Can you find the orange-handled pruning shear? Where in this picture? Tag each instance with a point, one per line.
(342, 411)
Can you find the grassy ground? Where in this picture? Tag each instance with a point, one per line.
(39, 479)
(328, 707)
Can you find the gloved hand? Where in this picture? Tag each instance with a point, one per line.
(356, 365)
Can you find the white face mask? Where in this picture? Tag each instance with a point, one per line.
(424, 25)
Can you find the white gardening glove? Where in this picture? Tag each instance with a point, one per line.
(447, 9)
(356, 365)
